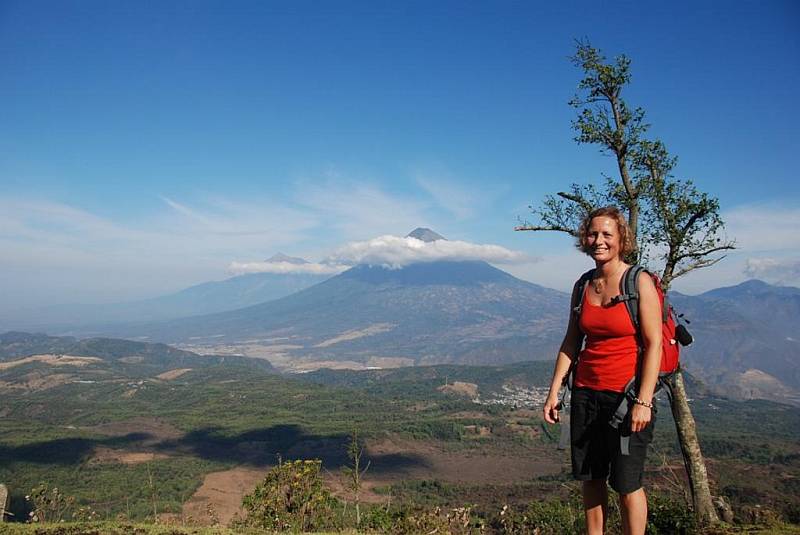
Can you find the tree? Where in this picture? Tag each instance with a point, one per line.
(672, 221)
(354, 473)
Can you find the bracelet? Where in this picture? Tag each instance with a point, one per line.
(643, 403)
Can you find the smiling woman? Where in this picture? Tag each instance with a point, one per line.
(603, 368)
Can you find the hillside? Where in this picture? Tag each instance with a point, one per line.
(464, 312)
(200, 438)
(747, 340)
(746, 337)
(28, 355)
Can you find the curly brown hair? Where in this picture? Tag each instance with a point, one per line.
(627, 245)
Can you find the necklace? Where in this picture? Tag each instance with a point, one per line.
(599, 283)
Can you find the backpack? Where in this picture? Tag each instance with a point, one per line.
(673, 335)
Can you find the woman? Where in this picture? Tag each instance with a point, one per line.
(605, 365)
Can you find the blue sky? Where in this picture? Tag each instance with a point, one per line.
(147, 146)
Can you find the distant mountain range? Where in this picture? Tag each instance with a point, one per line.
(462, 312)
(747, 339)
(472, 313)
(469, 312)
(216, 296)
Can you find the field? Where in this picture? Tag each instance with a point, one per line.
(184, 444)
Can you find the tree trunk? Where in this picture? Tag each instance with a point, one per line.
(692, 457)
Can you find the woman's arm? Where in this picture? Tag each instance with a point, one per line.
(566, 354)
(650, 325)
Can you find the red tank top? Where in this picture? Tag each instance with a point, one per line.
(608, 360)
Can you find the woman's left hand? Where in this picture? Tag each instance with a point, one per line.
(640, 417)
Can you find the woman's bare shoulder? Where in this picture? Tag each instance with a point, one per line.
(646, 283)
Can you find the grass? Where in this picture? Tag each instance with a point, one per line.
(127, 528)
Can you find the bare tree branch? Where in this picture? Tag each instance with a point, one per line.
(699, 264)
(705, 252)
(536, 228)
(574, 197)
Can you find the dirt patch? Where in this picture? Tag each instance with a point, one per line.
(338, 486)
(310, 366)
(109, 455)
(391, 460)
(278, 348)
(394, 460)
(132, 360)
(221, 495)
(458, 388)
(756, 384)
(478, 430)
(278, 355)
(173, 374)
(52, 360)
(144, 435)
(155, 430)
(372, 330)
(389, 362)
(36, 382)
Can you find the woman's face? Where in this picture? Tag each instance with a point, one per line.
(603, 239)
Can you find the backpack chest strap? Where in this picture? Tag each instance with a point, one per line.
(622, 298)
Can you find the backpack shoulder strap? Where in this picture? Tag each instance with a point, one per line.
(629, 292)
(576, 304)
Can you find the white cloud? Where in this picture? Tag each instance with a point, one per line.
(239, 268)
(777, 270)
(394, 251)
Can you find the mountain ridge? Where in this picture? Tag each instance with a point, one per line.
(204, 298)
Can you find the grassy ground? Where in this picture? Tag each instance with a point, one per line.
(120, 528)
(105, 528)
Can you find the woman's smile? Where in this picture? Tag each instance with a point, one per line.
(603, 238)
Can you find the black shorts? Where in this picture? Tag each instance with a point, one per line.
(595, 445)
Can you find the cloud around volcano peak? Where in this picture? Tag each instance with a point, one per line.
(396, 252)
(284, 268)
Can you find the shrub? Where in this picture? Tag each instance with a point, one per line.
(48, 505)
(552, 517)
(408, 521)
(292, 497)
(667, 515)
